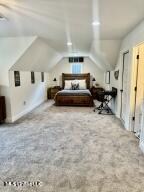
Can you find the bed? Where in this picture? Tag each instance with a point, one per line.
(74, 97)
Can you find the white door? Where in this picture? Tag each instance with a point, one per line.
(140, 91)
(124, 89)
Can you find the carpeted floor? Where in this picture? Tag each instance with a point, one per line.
(70, 149)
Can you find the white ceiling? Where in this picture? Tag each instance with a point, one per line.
(57, 21)
(60, 21)
(119, 17)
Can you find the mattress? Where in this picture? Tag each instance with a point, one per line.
(84, 92)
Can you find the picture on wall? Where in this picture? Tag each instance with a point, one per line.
(116, 74)
(17, 78)
(107, 77)
(42, 76)
(32, 77)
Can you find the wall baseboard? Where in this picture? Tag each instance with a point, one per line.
(18, 116)
(126, 125)
(117, 116)
(141, 145)
(8, 120)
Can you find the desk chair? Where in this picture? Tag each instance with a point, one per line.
(105, 97)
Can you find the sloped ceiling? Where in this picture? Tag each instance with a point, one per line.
(60, 21)
(119, 17)
(38, 57)
(11, 49)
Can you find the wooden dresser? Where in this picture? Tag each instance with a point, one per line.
(2, 109)
(52, 92)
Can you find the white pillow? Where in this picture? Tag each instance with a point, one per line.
(82, 84)
(68, 84)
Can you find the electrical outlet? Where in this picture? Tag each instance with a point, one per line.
(24, 102)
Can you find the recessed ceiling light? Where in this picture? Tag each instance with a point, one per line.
(69, 43)
(95, 23)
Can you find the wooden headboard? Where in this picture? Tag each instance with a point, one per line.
(68, 76)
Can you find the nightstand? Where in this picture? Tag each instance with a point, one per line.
(51, 92)
(95, 90)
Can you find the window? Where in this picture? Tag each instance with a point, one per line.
(76, 59)
(76, 68)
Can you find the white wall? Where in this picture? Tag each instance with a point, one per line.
(105, 52)
(110, 50)
(116, 107)
(131, 40)
(26, 97)
(65, 67)
(38, 57)
(11, 49)
(24, 54)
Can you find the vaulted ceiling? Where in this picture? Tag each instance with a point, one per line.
(60, 21)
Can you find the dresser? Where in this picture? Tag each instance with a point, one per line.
(52, 92)
(2, 109)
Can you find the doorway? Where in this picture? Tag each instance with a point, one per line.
(124, 87)
(139, 89)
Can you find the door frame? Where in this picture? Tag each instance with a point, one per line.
(122, 77)
(135, 68)
(135, 90)
(129, 124)
(134, 73)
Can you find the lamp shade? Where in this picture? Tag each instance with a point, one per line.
(54, 79)
(93, 79)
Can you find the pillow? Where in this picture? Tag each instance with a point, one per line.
(75, 85)
(68, 84)
(82, 84)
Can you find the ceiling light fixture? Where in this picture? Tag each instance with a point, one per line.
(95, 23)
(69, 43)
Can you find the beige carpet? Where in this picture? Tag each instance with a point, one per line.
(70, 149)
